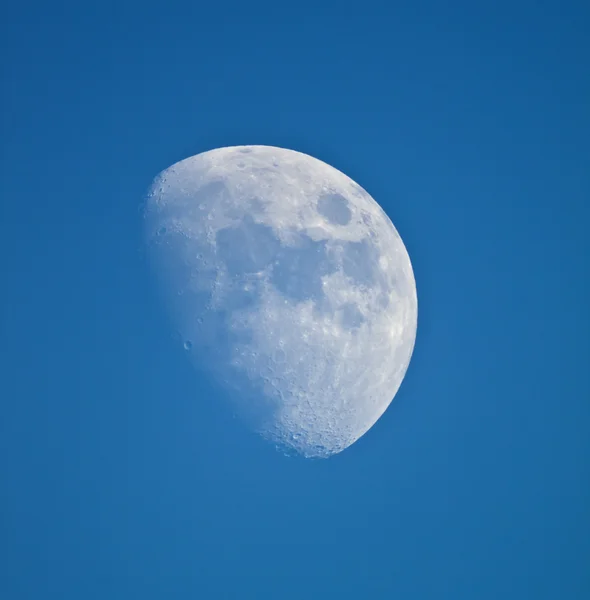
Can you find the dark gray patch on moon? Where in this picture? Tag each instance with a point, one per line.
(298, 270)
(206, 195)
(247, 248)
(241, 293)
(360, 260)
(215, 197)
(383, 300)
(334, 207)
(351, 316)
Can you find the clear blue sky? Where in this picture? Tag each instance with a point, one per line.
(122, 476)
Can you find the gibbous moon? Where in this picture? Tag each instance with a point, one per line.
(290, 285)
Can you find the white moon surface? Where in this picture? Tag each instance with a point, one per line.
(290, 284)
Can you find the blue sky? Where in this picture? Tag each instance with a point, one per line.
(123, 476)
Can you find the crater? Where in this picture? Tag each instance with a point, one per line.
(334, 208)
(367, 220)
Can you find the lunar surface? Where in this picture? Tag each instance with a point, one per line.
(290, 285)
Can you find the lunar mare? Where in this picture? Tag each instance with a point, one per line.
(289, 283)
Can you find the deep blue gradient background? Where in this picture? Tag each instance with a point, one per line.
(123, 476)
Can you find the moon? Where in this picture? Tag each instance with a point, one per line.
(290, 285)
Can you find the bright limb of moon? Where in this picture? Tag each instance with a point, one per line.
(289, 283)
